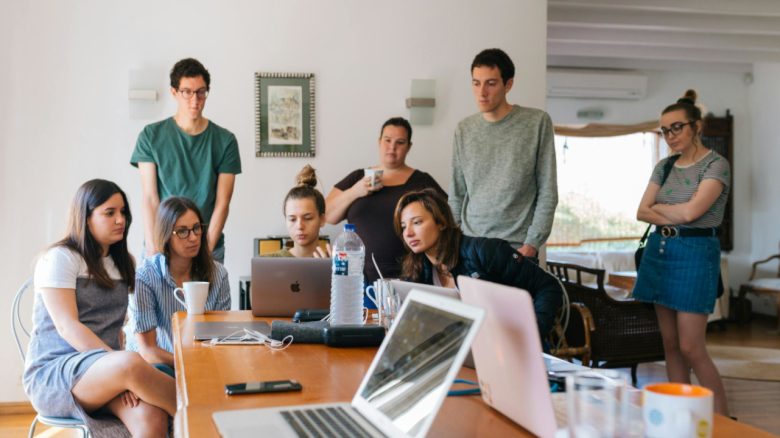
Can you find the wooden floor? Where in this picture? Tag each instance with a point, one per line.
(753, 402)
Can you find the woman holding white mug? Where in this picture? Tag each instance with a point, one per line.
(182, 257)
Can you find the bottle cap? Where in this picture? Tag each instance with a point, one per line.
(349, 227)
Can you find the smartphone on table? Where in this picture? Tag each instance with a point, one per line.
(262, 387)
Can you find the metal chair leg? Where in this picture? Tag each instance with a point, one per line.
(31, 434)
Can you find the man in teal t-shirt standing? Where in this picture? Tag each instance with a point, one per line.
(188, 155)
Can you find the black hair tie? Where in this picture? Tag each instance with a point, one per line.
(686, 100)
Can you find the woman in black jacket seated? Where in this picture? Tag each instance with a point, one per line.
(439, 252)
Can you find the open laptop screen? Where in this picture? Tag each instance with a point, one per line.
(411, 374)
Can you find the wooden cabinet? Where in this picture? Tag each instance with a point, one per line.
(719, 135)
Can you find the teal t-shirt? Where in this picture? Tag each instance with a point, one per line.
(188, 165)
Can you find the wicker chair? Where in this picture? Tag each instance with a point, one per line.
(762, 286)
(616, 333)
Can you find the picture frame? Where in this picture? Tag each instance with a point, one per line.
(284, 115)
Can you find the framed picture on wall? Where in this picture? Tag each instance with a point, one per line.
(284, 115)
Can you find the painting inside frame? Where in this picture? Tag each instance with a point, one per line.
(284, 115)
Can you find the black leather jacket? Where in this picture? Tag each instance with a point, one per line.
(495, 260)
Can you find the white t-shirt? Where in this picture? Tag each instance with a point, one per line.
(60, 267)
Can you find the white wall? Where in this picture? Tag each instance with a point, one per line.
(66, 117)
(718, 92)
(764, 100)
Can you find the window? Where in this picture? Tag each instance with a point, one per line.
(600, 183)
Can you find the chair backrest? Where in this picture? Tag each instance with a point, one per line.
(20, 332)
(563, 272)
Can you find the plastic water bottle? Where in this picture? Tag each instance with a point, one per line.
(346, 289)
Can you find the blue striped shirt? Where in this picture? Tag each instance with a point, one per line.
(153, 304)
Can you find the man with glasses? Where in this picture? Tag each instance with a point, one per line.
(504, 181)
(188, 155)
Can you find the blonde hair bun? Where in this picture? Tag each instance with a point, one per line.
(306, 177)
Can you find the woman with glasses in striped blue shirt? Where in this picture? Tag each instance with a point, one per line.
(182, 255)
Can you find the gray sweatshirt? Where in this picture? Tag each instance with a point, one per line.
(504, 181)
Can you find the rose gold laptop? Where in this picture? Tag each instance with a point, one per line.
(508, 355)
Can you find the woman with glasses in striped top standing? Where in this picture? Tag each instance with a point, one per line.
(680, 268)
(182, 255)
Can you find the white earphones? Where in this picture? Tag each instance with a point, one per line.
(249, 337)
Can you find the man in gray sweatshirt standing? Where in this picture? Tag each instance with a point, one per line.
(503, 163)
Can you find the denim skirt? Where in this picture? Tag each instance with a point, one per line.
(680, 273)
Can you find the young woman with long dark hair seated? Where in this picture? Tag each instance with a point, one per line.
(75, 364)
(438, 252)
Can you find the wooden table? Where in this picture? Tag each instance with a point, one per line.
(622, 279)
(327, 375)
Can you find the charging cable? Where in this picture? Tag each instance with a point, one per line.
(465, 391)
(250, 337)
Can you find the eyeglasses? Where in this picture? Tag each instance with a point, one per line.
(187, 93)
(183, 233)
(675, 129)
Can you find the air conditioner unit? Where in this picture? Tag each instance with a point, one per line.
(596, 84)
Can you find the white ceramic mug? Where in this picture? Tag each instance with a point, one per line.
(673, 410)
(375, 175)
(194, 296)
(386, 300)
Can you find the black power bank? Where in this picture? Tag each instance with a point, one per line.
(353, 335)
(307, 315)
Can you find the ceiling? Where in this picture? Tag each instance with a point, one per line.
(694, 35)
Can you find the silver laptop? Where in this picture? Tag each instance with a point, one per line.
(402, 390)
(205, 331)
(282, 285)
(508, 355)
(402, 288)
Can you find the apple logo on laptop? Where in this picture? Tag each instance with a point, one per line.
(295, 287)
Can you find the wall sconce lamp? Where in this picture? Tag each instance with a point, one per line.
(142, 95)
(422, 101)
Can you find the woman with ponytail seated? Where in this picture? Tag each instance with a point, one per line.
(304, 212)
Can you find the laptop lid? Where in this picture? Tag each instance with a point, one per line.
(402, 288)
(508, 355)
(282, 285)
(417, 363)
(218, 329)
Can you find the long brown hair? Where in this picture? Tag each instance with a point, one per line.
(169, 212)
(305, 182)
(91, 195)
(448, 245)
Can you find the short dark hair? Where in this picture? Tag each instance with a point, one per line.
(398, 121)
(91, 195)
(495, 58)
(168, 213)
(189, 68)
